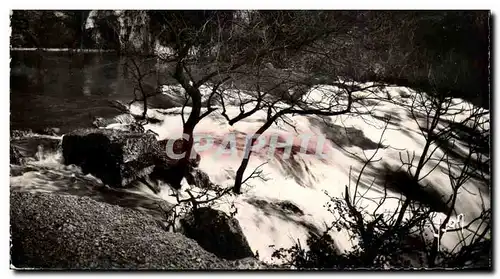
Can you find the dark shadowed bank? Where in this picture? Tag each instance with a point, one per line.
(66, 232)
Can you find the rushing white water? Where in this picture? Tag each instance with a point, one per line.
(47, 173)
(303, 178)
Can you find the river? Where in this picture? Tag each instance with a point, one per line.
(64, 90)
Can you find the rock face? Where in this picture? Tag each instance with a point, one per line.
(68, 232)
(218, 233)
(132, 28)
(116, 157)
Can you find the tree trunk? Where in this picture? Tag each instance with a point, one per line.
(238, 181)
(193, 119)
(144, 100)
(194, 93)
(194, 116)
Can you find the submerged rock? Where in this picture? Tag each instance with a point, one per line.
(66, 232)
(290, 207)
(217, 232)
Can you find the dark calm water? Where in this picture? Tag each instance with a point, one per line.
(64, 90)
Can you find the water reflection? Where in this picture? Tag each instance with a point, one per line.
(60, 89)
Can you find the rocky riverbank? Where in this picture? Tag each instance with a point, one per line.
(67, 232)
(72, 219)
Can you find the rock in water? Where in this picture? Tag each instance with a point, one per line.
(49, 131)
(15, 155)
(171, 174)
(32, 146)
(218, 233)
(120, 157)
(16, 134)
(125, 118)
(67, 232)
(199, 179)
(116, 157)
(125, 122)
(174, 171)
(176, 146)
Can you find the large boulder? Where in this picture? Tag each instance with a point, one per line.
(217, 232)
(67, 232)
(120, 157)
(116, 157)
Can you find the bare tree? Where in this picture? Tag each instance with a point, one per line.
(335, 101)
(455, 147)
(210, 50)
(300, 88)
(232, 52)
(142, 91)
(408, 236)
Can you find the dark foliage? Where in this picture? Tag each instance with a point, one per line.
(403, 47)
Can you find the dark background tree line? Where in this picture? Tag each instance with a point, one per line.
(408, 45)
